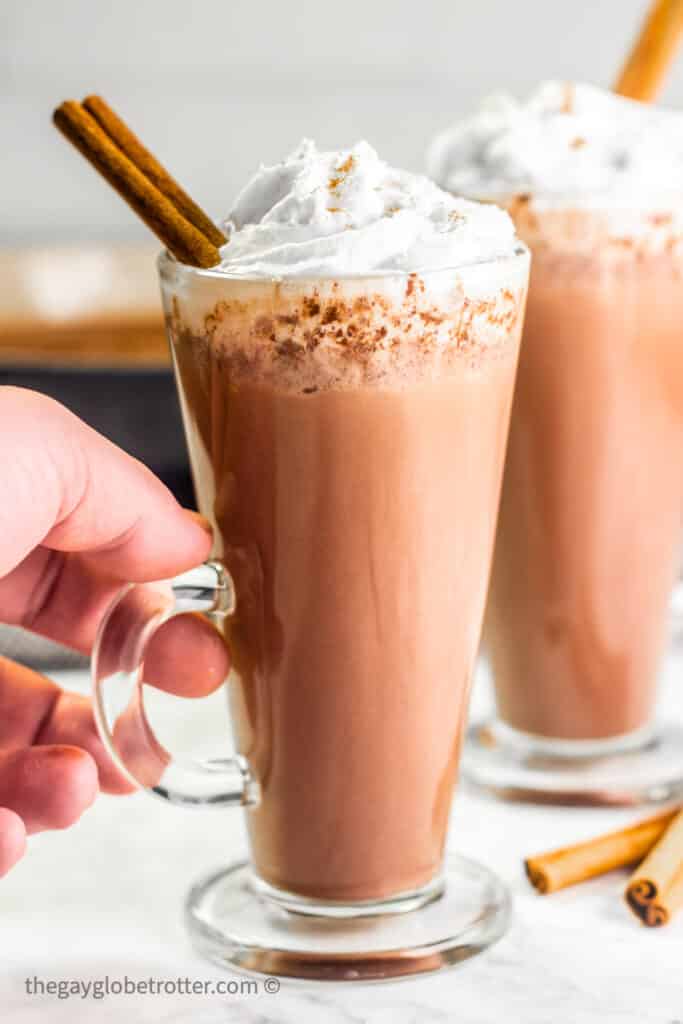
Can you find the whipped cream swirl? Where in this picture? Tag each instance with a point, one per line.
(347, 213)
(567, 144)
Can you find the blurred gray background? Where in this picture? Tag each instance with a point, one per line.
(216, 86)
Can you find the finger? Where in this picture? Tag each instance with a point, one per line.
(75, 604)
(187, 656)
(35, 711)
(26, 702)
(137, 745)
(57, 595)
(69, 489)
(12, 839)
(48, 787)
(72, 723)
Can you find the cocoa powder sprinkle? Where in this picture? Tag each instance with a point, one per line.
(323, 339)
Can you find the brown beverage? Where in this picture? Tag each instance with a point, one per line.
(592, 504)
(347, 440)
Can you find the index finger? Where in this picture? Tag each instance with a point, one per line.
(70, 490)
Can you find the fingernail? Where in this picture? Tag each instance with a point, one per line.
(202, 521)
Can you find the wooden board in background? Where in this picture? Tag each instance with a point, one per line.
(89, 306)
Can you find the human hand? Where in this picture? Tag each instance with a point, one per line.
(77, 518)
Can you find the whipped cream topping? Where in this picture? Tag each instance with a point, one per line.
(347, 213)
(567, 145)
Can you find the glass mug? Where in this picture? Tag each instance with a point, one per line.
(347, 440)
(589, 530)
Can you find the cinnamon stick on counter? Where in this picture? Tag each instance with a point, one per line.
(655, 891)
(643, 73)
(569, 865)
(184, 240)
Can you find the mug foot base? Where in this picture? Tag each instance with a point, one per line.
(644, 768)
(236, 926)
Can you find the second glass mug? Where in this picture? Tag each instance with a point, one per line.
(347, 441)
(589, 530)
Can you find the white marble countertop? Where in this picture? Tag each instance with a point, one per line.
(105, 899)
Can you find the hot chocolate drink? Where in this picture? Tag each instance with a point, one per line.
(590, 525)
(592, 506)
(346, 378)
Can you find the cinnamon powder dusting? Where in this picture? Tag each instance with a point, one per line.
(343, 170)
(326, 339)
(567, 106)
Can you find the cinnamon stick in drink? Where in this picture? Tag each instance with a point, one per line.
(655, 891)
(645, 68)
(119, 132)
(181, 237)
(569, 865)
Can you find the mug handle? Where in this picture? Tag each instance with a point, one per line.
(118, 665)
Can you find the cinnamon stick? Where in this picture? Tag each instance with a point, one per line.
(183, 239)
(643, 73)
(655, 891)
(119, 132)
(569, 865)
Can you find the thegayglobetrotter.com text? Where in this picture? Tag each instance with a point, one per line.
(102, 988)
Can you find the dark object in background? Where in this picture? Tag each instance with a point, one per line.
(136, 409)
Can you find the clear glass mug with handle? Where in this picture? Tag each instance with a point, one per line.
(347, 440)
(589, 529)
